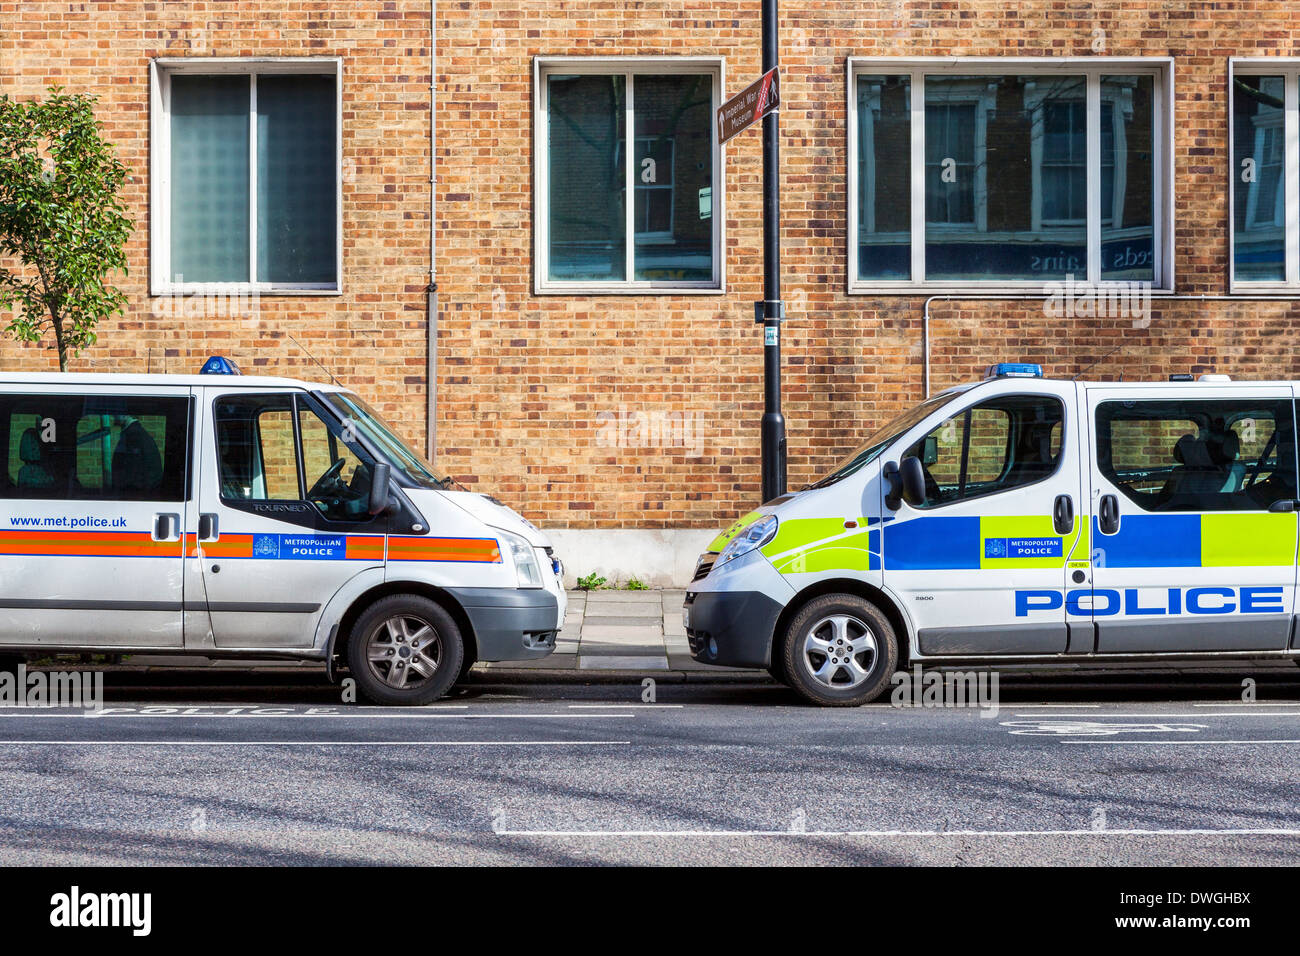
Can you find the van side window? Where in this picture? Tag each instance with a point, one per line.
(1004, 443)
(256, 456)
(261, 458)
(1194, 455)
(94, 447)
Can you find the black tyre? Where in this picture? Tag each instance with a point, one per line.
(839, 650)
(777, 668)
(405, 649)
(465, 666)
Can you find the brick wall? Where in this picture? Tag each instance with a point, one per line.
(530, 384)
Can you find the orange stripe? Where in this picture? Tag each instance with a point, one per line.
(475, 550)
(141, 544)
(106, 544)
(486, 555)
(365, 547)
(450, 544)
(442, 556)
(229, 546)
(82, 536)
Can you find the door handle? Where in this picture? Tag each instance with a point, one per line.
(208, 527)
(166, 527)
(1108, 514)
(1063, 514)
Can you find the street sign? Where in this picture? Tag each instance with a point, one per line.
(750, 105)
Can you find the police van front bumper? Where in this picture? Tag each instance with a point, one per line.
(511, 624)
(730, 615)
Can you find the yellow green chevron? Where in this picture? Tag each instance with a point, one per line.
(806, 545)
(720, 542)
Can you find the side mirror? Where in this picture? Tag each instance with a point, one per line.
(1284, 506)
(894, 485)
(912, 478)
(930, 450)
(379, 495)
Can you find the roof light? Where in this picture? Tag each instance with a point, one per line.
(219, 365)
(1181, 377)
(1014, 370)
(1214, 378)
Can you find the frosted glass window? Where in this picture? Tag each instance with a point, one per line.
(209, 178)
(233, 135)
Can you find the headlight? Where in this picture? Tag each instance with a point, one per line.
(755, 536)
(527, 569)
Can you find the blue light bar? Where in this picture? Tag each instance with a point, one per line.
(219, 365)
(1014, 370)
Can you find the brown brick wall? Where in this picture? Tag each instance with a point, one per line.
(529, 384)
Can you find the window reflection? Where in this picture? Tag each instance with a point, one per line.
(1008, 189)
(884, 177)
(1005, 177)
(670, 148)
(1127, 178)
(1259, 149)
(586, 176)
(673, 177)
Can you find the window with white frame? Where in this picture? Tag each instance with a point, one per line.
(981, 174)
(1264, 188)
(592, 114)
(245, 163)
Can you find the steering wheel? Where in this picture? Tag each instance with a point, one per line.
(331, 477)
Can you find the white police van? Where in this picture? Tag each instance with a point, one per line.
(239, 516)
(1021, 519)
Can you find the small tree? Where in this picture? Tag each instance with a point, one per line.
(61, 218)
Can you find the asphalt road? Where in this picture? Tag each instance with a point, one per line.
(1115, 771)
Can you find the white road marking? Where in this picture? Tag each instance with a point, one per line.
(1279, 831)
(101, 715)
(1253, 703)
(311, 743)
(1159, 715)
(1182, 743)
(624, 706)
(1093, 728)
(1075, 706)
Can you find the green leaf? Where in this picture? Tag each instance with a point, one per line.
(67, 231)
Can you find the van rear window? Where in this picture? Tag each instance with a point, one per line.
(1198, 455)
(94, 447)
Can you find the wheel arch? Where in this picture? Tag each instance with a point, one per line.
(854, 586)
(339, 639)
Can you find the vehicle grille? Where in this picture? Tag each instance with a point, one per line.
(704, 565)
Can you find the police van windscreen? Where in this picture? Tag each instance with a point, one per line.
(882, 438)
(368, 423)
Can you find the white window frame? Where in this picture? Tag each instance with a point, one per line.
(1289, 69)
(161, 71)
(628, 66)
(1092, 68)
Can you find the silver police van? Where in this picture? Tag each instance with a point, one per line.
(251, 517)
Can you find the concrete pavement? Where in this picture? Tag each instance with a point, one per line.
(623, 631)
